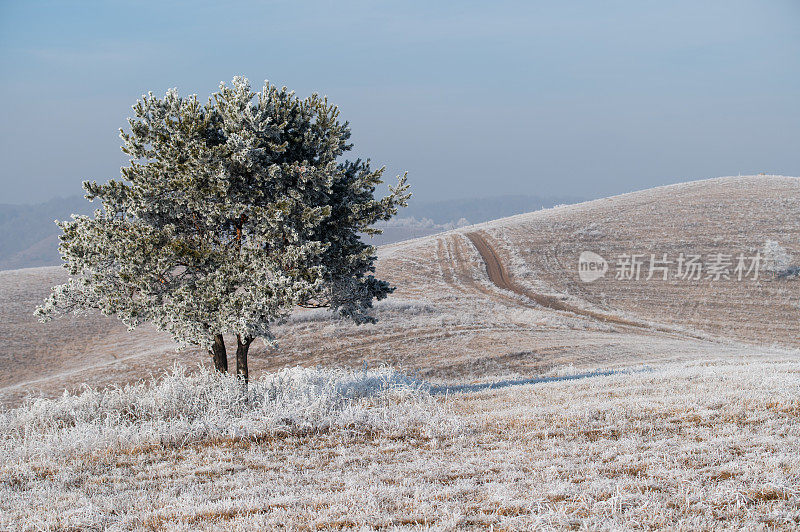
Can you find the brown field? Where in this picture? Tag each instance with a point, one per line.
(449, 319)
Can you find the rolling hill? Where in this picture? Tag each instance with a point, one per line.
(502, 298)
(500, 388)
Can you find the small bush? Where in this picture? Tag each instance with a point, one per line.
(776, 259)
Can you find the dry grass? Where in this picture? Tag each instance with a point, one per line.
(689, 446)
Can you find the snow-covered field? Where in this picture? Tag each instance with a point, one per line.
(507, 393)
(704, 445)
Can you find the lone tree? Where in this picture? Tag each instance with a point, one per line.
(230, 215)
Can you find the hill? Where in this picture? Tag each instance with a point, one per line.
(453, 318)
(522, 392)
(28, 236)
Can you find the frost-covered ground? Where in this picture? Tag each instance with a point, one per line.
(678, 411)
(690, 445)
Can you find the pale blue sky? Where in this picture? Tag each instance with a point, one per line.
(472, 98)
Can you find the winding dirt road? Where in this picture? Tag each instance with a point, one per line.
(500, 276)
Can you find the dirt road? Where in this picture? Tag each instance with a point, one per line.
(500, 276)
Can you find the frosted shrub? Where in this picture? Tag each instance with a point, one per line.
(403, 307)
(776, 258)
(180, 408)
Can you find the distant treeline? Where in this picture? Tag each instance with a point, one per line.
(478, 210)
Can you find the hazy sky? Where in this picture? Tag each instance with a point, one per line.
(472, 98)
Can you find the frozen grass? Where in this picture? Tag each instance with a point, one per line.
(406, 308)
(180, 409)
(690, 446)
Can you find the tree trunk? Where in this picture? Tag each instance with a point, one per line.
(242, 348)
(219, 354)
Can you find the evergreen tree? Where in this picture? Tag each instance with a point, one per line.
(230, 214)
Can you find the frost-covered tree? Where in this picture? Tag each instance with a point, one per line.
(230, 214)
